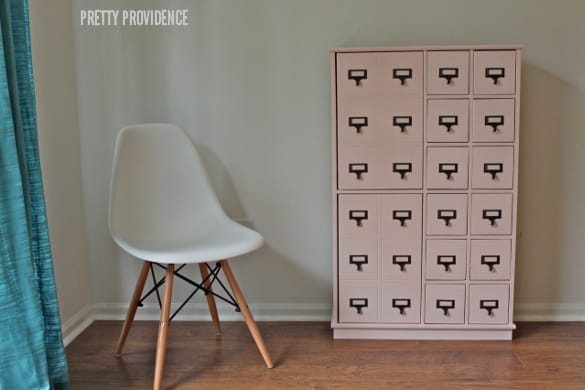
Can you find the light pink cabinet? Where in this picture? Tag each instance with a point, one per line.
(425, 183)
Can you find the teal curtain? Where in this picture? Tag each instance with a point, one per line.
(31, 345)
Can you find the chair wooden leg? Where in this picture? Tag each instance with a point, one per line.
(210, 298)
(133, 306)
(246, 313)
(163, 329)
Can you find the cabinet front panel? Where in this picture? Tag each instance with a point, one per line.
(358, 259)
(400, 259)
(447, 120)
(401, 73)
(448, 72)
(401, 216)
(357, 123)
(358, 301)
(401, 120)
(488, 304)
(447, 167)
(446, 260)
(493, 167)
(490, 259)
(401, 166)
(359, 167)
(445, 304)
(358, 216)
(400, 302)
(491, 214)
(494, 71)
(447, 214)
(493, 120)
(357, 74)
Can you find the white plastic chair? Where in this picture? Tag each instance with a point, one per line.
(163, 211)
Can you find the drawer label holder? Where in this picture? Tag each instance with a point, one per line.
(491, 261)
(401, 304)
(358, 261)
(490, 305)
(358, 304)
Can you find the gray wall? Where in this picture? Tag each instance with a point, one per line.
(58, 130)
(249, 81)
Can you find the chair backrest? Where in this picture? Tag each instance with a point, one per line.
(160, 194)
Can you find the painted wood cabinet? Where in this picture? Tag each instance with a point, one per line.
(425, 178)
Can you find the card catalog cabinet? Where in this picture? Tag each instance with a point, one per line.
(425, 178)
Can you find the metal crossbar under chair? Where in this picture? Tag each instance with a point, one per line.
(164, 212)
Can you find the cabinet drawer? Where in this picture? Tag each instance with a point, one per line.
(358, 167)
(493, 120)
(401, 166)
(448, 72)
(494, 71)
(357, 122)
(446, 260)
(358, 302)
(447, 214)
(491, 213)
(493, 167)
(400, 302)
(445, 303)
(490, 259)
(358, 259)
(400, 259)
(357, 74)
(401, 216)
(447, 167)
(488, 304)
(401, 120)
(447, 120)
(401, 73)
(358, 216)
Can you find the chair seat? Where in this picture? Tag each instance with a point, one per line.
(227, 240)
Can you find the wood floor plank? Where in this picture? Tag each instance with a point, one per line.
(541, 356)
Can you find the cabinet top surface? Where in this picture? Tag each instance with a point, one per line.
(419, 48)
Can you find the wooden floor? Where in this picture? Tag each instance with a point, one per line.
(542, 356)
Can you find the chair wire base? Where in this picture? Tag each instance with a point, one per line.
(211, 278)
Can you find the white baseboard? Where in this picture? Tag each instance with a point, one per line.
(552, 312)
(200, 312)
(549, 312)
(77, 324)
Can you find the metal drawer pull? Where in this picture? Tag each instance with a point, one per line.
(493, 169)
(358, 303)
(449, 74)
(357, 75)
(490, 305)
(358, 216)
(492, 215)
(447, 215)
(402, 74)
(358, 169)
(495, 74)
(445, 305)
(358, 261)
(402, 122)
(402, 169)
(448, 169)
(358, 122)
(491, 261)
(401, 304)
(448, 121)
(447, 261)
(402, 261)
(494, 121)
(402, 216)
